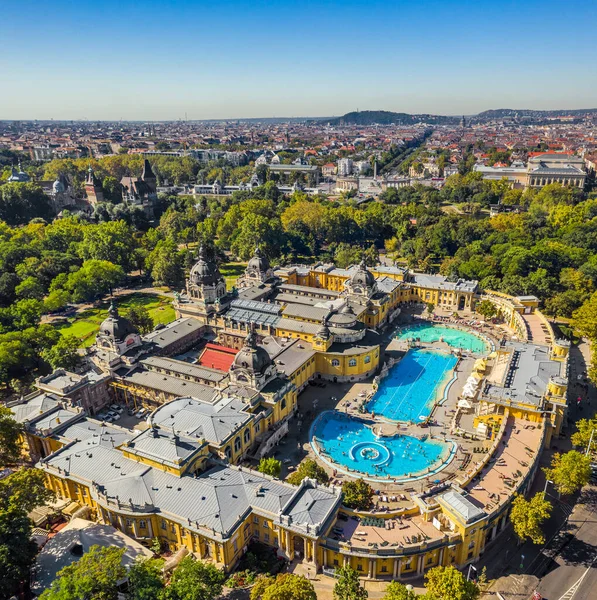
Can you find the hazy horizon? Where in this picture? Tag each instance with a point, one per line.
(147, 61)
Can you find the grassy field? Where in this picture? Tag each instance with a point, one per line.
(86, 324)
(231, 272)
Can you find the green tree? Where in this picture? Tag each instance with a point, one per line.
(165, 263)
(24, 489)
(112, 241)
(398, 591)
(21, 202)
(357, 494)
(261, 584)
(139, 316)
(95, 576)
(270, 466)
(569, 472)
(584, 319)
(195, 580)
(145, 579)
(10, 434)
(308, 468)
(290, 587)
(92, 281)
(64, 354)
(527, 516)
(56, 300)
(487, 309)
(584, 430)
(17, 549)
(348, 586)
(30, 287)
(347, 255)
(448, 583)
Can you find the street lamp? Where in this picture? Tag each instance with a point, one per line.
(545, 487)
(468, 575)
(590, 442)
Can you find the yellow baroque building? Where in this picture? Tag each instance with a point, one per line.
(180, 479)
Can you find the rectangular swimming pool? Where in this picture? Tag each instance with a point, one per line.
(413, 386)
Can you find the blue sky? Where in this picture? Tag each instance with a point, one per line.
(108, 59)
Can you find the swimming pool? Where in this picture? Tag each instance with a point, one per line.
(413, 385)
(457, 338)
(344, 441)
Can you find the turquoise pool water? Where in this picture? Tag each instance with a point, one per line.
(457, 338)
(348, 442)
(413, 385)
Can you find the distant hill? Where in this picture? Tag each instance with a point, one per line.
(501, 113)
(385, 117)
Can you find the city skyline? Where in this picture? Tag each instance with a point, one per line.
(230, 61)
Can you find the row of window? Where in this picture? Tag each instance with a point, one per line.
(352, 362)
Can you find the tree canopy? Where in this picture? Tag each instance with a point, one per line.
(348, 586)
(94, 576)
(308, 468)
(357, 494)
(570, 471)
(527, 517)
(448, 583)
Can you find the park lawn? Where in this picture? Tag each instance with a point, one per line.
(231, 272)
(86, 324)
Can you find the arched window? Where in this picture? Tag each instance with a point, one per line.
(335, 363)
(247, 435)
(352, 362)
(367, 359)
(228, 452)
(237, 444)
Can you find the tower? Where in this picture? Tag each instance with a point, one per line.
(93, 188)
(149, 177)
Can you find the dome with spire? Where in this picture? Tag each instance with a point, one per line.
(205, 271)
(252, 357)
(18, 176)
(362, 276)
(324, 331)
(259, 262)
(115, 326)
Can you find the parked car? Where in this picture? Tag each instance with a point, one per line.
(115, 416)
(141, 413)
(117, 408)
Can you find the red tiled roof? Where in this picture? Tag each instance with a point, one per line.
(217, 357)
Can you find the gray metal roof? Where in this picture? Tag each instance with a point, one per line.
(54, 419)
(107, 435)
(184, 368)
(173, 331)
(310, 506)
(34, 407)
(170, 385)
(214, 422)
(298, 326)
(528, 373)
(290, 356)
(214, 502)
(463, 507)
(442, 283)
(314, 313)
(164, 445)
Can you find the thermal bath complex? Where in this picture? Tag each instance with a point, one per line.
(443, 482)
(408, 394)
